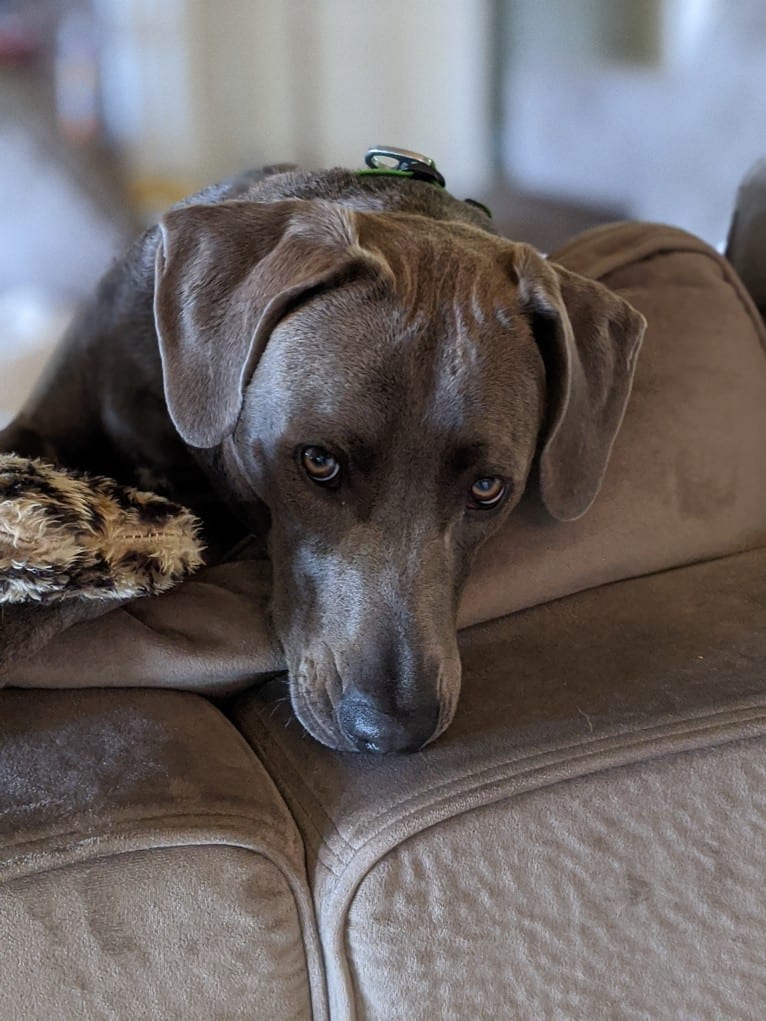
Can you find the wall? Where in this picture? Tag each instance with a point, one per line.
(665, 132)
(196, 90)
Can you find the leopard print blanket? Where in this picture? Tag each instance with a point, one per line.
(65, 535)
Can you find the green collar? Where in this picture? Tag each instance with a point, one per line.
(386, 172)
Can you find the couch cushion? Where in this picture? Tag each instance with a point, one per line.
(146, 858)
(179, 932)
(557, 700)
(633, 894)
(687, 476)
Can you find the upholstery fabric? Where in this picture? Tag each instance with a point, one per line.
(211, 634)
(632, 894)
(139, 836)
(181, 932)
(647, 669)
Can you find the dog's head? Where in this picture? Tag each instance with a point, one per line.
(384, 383)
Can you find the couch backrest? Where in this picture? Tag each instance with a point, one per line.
(687, 476)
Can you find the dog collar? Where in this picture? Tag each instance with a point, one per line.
(387, 161)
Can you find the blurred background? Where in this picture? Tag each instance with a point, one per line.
(559, 114)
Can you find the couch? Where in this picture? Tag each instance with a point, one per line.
(588, 839)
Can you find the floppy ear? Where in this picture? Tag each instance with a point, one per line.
(589, 339)
(224, 275)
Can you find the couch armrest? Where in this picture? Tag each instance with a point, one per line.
(146, 859)
(663, 675)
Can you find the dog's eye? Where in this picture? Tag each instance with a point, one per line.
(488, 492)
(319, 464)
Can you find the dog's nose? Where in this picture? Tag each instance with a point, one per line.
(371, 729)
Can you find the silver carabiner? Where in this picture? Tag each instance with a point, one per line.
(421, 167)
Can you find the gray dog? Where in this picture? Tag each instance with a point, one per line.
(361, 364)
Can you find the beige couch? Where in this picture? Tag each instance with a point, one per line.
(587, 841)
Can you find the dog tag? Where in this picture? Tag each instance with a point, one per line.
(385, 159)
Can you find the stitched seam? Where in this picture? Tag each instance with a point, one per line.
(740, 290)
(548, 758)
(727, 273)
(80, 837)
(143, 535)
(577, 759)
(638, 736)
(319, 844)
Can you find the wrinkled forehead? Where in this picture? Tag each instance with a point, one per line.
(437, 347)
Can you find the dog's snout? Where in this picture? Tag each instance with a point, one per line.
(370, 728)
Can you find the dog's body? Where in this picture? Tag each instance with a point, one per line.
(364, 359)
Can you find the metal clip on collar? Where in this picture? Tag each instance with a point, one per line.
(384, 159)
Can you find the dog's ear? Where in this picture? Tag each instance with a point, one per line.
(589, 339)
(224, 275)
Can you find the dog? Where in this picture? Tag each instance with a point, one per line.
(360, 364)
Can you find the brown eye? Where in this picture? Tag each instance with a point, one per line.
(488, 492)
(319, 464)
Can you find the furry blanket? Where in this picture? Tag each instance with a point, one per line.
(64, 535)
(73, 547)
